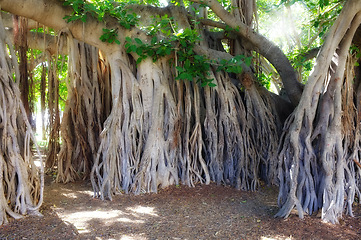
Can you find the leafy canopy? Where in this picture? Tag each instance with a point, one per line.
(307, 22)
(171, 40)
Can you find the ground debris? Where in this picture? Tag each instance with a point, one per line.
(202, 212)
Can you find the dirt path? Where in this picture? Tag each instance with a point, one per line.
(203, 212)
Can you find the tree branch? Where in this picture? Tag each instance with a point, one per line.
(312, 53)
(51, 14)
(265, 47)
(41, 41)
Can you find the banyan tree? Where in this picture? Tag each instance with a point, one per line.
(160, 96)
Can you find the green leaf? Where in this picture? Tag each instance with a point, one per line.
(106, 35)
(183, 43)
(125, 25)
(133, 48)
(248, 61)
(128, 50)
(187, 63)
(223, 61)
(179, 69)
(154, 40)
(83, 18)
(196, 57)
(168, 51)
(137, 40)
(185, 76)
(150, 52)
(128, 39)
(139, 60)
(238, 70)
(203, 84)
(139, 50)
(228, 28)
(159, 51)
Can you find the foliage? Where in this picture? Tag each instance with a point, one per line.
(189, 65)
(100, 9)
(299, 61)
(110, 36)
(234, 65)
(154, 50)
(265, 80)
(297, 26)
(62, 69)
(168, 39)
(324, 17)
(355, 51)
(81, 8)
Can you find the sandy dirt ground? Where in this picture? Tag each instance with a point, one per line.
(178, 212)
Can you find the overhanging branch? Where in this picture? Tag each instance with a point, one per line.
(265, 47)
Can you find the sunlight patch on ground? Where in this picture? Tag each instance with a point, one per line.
(143, 210)
(128, 220)
(277, 237)
(87, 192)
(126, 237)
(70, 195)
(82, 220)
(73, 195)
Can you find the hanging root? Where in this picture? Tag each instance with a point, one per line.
(263, 132)
(162, 132)
(21, 183)
(82, 118)
(231, 156)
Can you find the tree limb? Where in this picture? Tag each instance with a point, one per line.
(51, 14)
(312, 53)
(265, 47)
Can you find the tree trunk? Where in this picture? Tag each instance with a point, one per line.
(314, 169)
